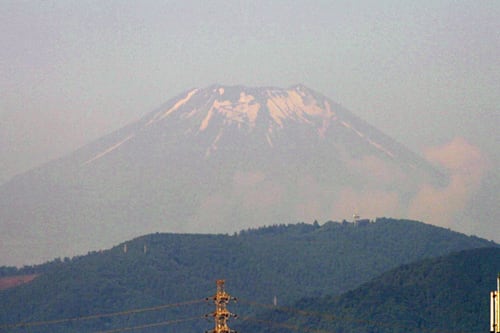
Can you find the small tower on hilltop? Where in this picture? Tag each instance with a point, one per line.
(359, 222)
(221, 314)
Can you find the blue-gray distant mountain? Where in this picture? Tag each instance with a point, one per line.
(216, 159)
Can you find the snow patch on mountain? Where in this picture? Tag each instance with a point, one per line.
(373, 143)
(213, 145)
(245, 110)
(206, 120)
(108, 150)
(296, 105)
(326, 120)
(176, 106)
(269, 141)
(381, 148)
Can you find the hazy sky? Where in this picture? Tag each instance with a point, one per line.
(425, 72)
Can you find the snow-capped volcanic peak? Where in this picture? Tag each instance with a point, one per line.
(214, 109)
(244, 105)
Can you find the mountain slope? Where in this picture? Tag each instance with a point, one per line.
(288, 262)
(447, 294)
(216, 159)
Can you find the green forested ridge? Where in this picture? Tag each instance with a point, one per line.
(286, 261)
(447, 294)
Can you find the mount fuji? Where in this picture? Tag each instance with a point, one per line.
(211, 160)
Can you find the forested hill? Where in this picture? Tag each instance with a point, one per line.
(289, 262)
(447, 294)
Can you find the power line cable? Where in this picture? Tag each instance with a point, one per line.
(103, 315)
(334, 318)
(325, 316)
(284, 325)
(163, 323)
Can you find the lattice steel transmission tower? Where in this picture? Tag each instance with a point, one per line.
(495, 308)
(221, 314)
